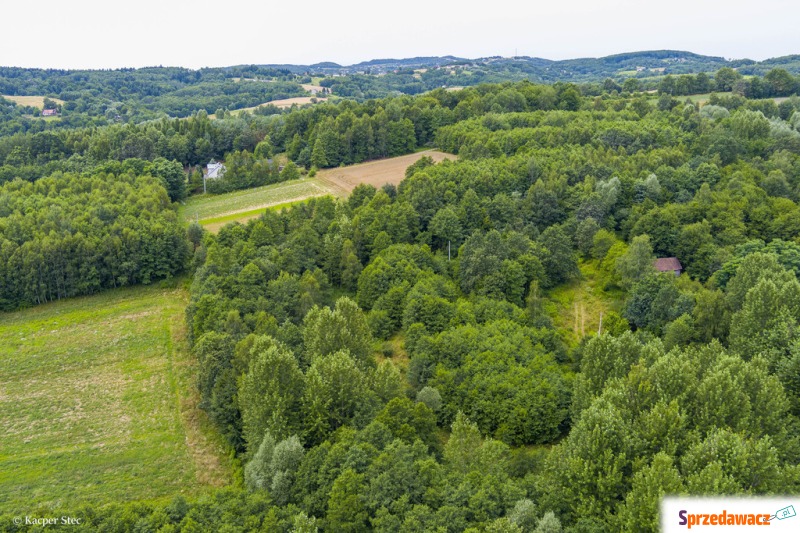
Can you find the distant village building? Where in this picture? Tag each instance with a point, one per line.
(49, 113)
(214, 170)
(669, 264)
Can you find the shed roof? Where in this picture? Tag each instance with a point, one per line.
(668, 264)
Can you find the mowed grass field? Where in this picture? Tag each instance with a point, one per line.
(284, 103)
(35, 101)
(214, 211)
(98, 404)
(211, 209)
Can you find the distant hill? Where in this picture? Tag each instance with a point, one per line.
(99, 97)
(640, 64)
(413, 62)
(375, 66)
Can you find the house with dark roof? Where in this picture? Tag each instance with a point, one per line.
(669, 264)
(49, 113)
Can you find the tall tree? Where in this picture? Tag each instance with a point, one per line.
(270, 393)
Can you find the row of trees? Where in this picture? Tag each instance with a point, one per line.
(69, 235)
(347, 131)
(326, 136)
(775, 83)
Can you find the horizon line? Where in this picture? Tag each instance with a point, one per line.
(389, 59)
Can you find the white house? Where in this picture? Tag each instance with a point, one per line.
(214, 170)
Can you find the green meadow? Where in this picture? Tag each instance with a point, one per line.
(210, 208)
(98, 403)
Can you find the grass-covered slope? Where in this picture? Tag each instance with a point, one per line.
(97, 403)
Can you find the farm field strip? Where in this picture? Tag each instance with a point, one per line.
(98, 403)
(299, 100)
(247, 200)
(376, 173)
(214, 224)
(35, 101)
(284, 103)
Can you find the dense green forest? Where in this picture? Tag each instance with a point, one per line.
(693, 379)
(347, 132)
(95, 97)
(391, 361)
(69, 235)
(668, 74)
(90, 98)
(326, 135)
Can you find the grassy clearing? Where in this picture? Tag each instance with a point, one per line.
(214, 224)
(576, 307)
(97, 403)
(35, 101)
(241, 203)
(396, 352)
(246, 214)
(282, 104)
(699, 98)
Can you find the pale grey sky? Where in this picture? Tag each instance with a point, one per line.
(198, 33)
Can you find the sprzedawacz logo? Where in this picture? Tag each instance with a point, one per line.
(685, 518)
(737, 513)
(722, 519)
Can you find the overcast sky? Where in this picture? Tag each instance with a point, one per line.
(199, 33)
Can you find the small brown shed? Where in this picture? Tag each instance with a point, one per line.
(669, 264)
